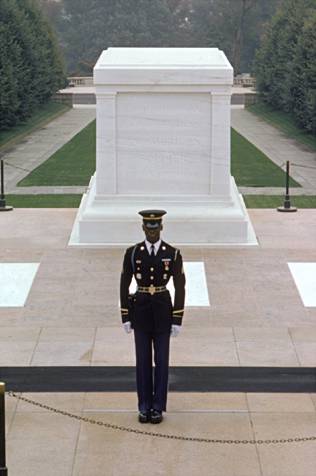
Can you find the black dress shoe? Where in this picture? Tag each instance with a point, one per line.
(144, 417)
(156, 416)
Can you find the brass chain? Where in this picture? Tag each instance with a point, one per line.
(159, 435)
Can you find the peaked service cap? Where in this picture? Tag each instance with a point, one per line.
(152, 218)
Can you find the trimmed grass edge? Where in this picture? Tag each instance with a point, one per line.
(73, 201)
(44, 201)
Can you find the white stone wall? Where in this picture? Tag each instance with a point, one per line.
(163, 143)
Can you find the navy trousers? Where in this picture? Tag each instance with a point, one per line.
(152, 385)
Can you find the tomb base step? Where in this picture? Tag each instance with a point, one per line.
(190, 220)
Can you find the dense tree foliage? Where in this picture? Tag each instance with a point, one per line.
(304, 75)
(85, 29)
(235, 26)
(285, 63)
(31, 69)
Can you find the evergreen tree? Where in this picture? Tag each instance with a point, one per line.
(12, 27)
(274, 60)
(30, 66)
(9, 96)
(303, 75)
(41, 52)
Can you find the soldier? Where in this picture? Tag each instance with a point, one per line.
(150, 312)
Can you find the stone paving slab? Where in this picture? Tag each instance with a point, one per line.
(71, 314)
(85, 449)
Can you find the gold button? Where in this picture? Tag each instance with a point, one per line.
(151, 269)
(151, 277)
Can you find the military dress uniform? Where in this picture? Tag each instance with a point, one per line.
(152, 313)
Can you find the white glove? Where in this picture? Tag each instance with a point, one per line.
(127, 327)
(175, 330)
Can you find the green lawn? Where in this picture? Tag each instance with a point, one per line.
(44, 201)
(40, 117)
(274, 201)
(73, 201)
(285, 122)
(252, 168)
(74, 164)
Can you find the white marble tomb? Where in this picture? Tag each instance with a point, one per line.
(163, 141)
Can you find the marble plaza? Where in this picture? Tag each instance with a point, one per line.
(254, 316)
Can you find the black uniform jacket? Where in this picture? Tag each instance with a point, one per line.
(152, 312)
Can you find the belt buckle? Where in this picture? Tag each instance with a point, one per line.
(152, 290)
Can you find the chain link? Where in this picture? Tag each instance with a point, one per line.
(160, 435)
(16, 167)
(303, 166)
(298, 165)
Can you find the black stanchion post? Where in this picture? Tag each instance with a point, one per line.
(287, 202)
(3, 468)
(3, 206)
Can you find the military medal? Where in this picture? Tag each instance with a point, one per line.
(166, 262)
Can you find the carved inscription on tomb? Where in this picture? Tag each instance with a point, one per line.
(163, 143)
